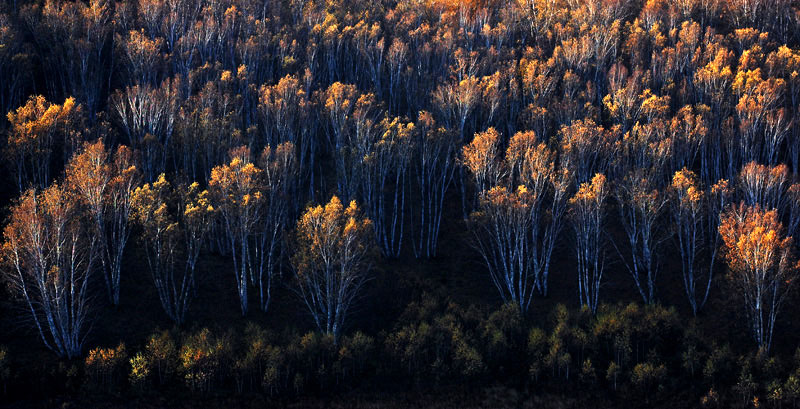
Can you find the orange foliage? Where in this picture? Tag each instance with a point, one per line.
(762, 264)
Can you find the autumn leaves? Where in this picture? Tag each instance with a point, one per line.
(254, 205)
(335, 246)
(545, 115)
(761, 264)
(520, 207)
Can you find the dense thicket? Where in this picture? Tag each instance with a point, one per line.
(429, 181)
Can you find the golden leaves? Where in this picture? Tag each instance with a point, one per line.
(141, 51)
(653, 105)
(150, 208)
(591, 193)
(33, 124)
(532, 161)
(687, 190)
(519, 146)
(458, 96)
(717, 74)
(41, 227)
(104, 359)
(288, 95)
(90, 173)
(480, 155)
(340, 97)
(198, 210)
(236, 185)
(501, 199)
(754, 243)
(326, 233)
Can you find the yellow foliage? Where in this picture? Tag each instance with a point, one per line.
(755, 244)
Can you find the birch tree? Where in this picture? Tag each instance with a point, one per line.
(532, 164)
(433, 164)
(195, 217)
(49, 254)
(13, 63)
(688, 212)
(160, 234)
(641, 206)
(105, 184)
(174, 223)
(384, 184)
(587, 148)
(761, 264)
(284, 109)
(765, 186)
(331, 261)
(279, 181)
(236, 190)
(147, 116)
(587, 216)
(72, 39)
(517, 252)
(37, 130)
(501, 229)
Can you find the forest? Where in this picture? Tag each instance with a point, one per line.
(399, 203)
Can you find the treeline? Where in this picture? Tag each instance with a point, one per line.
(623, 353)
(308, 141)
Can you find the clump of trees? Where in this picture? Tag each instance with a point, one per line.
(332, 262)
(37, 132)
(50, 254)
(645, 148)
(105, 184)
(172, 237)
(253, 201)
(587, 214)
(761, 264)
(521, 204)
(623, 351)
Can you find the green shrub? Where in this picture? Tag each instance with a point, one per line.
(436, 343)
(791, 389)
(275, 375)
(503, 334)
(747, 385)
(537, 350)
(588, 374)
(161, 355)
(694, 352)
(249, 365)
(775, 393)
(558, 356)
(710, 399)
(719, 367)
(203, 358)
(354, 353)
(312, 357)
